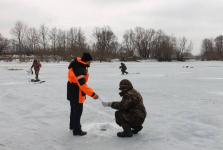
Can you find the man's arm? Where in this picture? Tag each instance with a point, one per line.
(83, 86)
(40, 65)
(124, 104)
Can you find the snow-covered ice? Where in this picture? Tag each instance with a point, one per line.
(184, 107)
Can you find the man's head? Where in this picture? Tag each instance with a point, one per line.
(87, 58)
(125, 85)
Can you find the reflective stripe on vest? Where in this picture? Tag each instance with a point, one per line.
(73, 79)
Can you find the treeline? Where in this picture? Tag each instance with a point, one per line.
(212, 49)
(57, 44)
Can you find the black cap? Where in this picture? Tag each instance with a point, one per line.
(86, 57)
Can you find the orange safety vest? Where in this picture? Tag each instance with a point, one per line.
(82, 88)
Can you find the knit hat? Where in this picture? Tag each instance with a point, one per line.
(86, 57)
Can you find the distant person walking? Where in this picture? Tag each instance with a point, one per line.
(36, 65)
(131, 111)
(77, 89)
(123, 68)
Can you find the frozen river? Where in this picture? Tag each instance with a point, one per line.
(184, 107)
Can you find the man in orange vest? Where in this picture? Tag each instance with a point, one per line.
(77, 89)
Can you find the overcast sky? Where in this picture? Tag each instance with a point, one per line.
(194, 19)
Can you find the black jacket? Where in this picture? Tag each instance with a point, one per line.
(77, 78)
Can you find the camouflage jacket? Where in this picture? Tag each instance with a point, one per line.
(132, 101)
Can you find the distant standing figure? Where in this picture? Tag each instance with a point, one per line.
(123, 68)
(36, 65)
(131, 111)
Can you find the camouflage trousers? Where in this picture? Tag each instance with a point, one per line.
(123, 71)
(124, 117)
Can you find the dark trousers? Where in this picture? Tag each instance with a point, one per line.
(123, 71)
(76, 110)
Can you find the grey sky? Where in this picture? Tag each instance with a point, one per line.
(194, 19)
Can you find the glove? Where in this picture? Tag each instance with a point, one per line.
(96, 97)
(106, 104)
(102, 99)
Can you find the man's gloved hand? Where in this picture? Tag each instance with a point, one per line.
(106, 104)
(96, 97)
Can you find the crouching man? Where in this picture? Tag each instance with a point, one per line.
(131, 112)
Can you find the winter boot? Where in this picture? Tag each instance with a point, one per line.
(80, 133)
(126, 133)
(136, 129)
(37, 79)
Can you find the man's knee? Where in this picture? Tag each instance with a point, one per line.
(118, 114)
(120, 120)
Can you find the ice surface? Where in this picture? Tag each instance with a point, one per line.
(184, 107)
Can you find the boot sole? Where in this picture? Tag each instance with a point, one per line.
(125, 136)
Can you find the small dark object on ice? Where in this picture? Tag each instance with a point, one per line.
(37, 81)
(14, 69)
(187, 67)
(103, 129)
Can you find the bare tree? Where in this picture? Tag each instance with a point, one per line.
(139, 32)
(103, 37)
(31, 41)
(72, 38)
(141, 42)
(43, 37)
(207, 49)
(158, 40)
(183, 48)
(115, 46)
(76, 41)
(62, 40)
(212, 49)
(19, 32)
(4, 43)
(54, 39)
(144, 41)
(81, 39)
(219, 46)
(168, 48)
(128, 44)
(149, 41)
